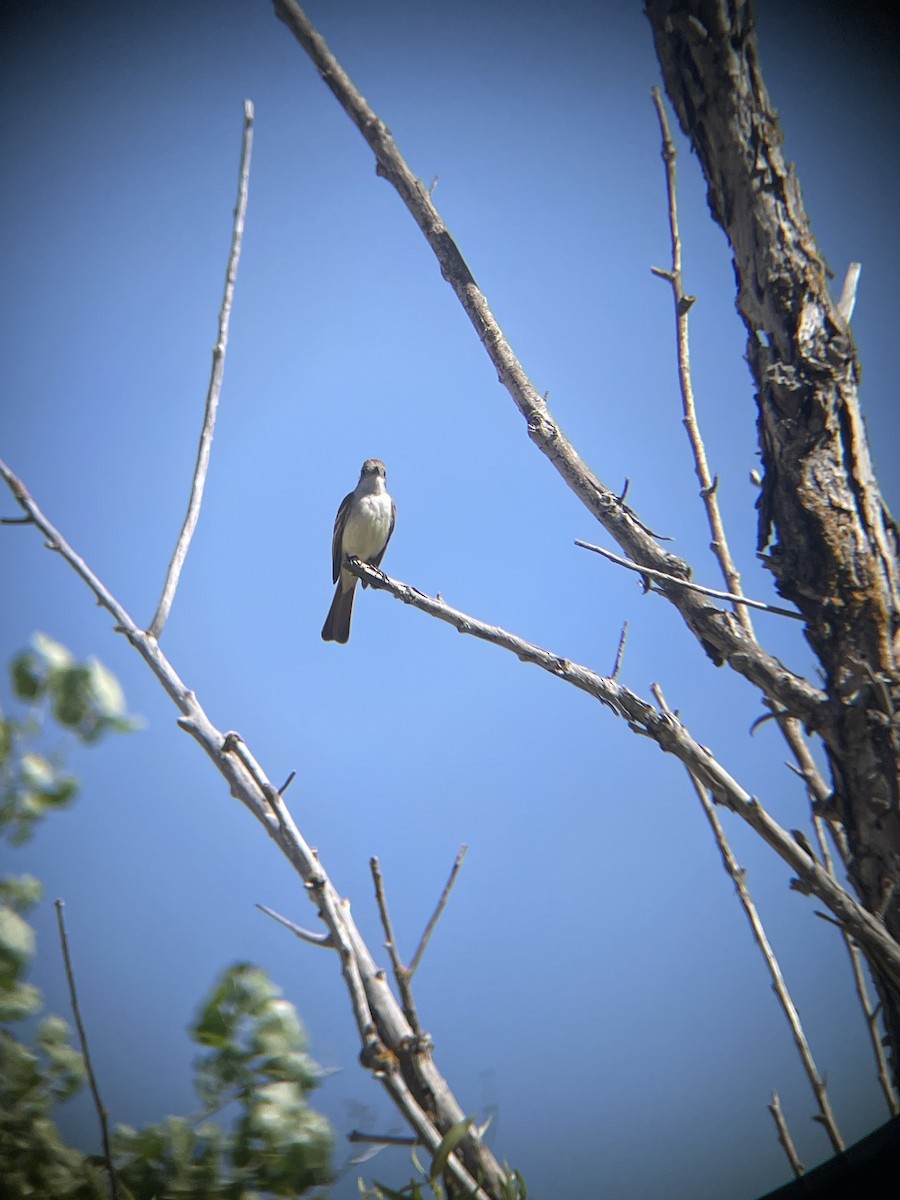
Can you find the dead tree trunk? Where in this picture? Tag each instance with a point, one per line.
(824, 531)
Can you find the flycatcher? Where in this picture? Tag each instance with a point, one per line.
(362, 529)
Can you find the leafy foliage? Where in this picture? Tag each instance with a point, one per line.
(254, 1056)
(84, 698)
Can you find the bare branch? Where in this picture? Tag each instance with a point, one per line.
(671, 736)
(390, 1049)
(785, 1138)
(436, 915)
(683, 306)
(305, 935)
(847, 302)
(780, 988)
(719, 634)
(102, 1114)
(215, 386)
(401, 974)
(672, 581)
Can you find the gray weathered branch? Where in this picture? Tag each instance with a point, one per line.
(402, 1062)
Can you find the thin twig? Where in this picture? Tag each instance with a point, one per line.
(780, 988)
(673, 581)
(305, 935)
(436, 915)
(620, 652)
(790, 728)
(683, 306)
(383, 1139)
(401, 974)
(215, 386)
(82, 1037)
(785, 1138)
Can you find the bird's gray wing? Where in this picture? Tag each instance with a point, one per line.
(340, 521)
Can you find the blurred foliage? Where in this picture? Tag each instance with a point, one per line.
(85, 699)
(253, 1052)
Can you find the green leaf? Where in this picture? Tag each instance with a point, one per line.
(449, 1142)
(28, 680)
(106, 691)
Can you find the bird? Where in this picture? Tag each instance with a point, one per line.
(362, 529)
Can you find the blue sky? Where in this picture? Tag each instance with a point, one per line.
(593, 977)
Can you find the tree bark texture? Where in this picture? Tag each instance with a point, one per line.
(824, 530)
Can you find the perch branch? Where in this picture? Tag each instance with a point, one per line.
(673, 737)
(102, 1114)
(780, 988)
(673, 581)
(215, 386)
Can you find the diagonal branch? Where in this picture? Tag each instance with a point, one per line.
(402, 1063)
(215, 386)
(720, 634)
(671, 736)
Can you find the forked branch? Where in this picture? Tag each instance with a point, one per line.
(403, 974)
